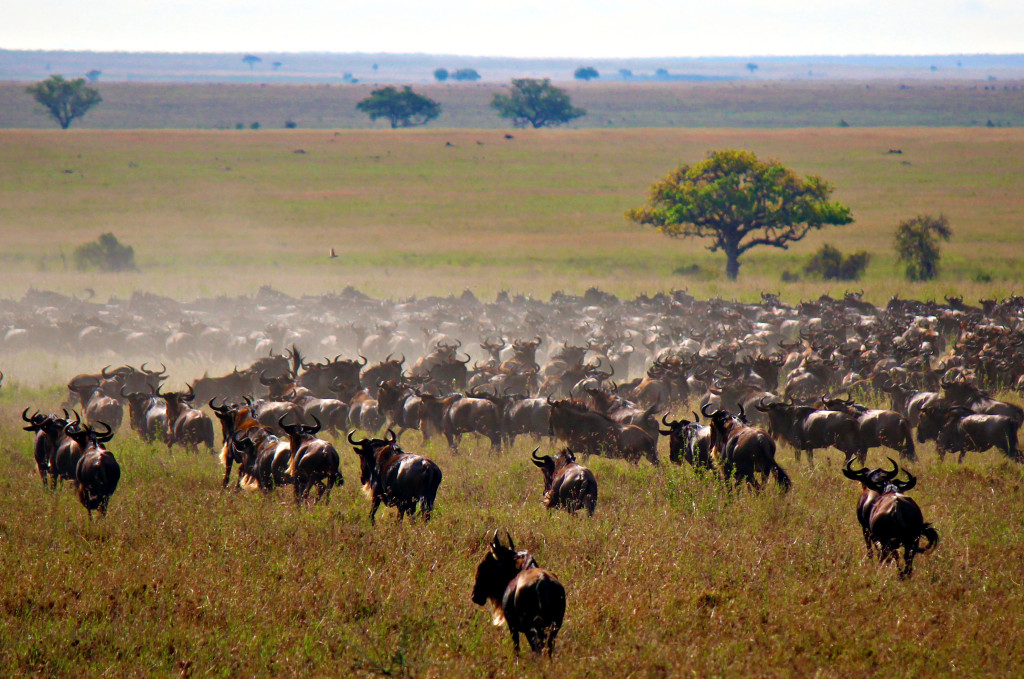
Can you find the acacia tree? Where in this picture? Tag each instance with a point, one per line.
(537, 103)
(586, 73)
(917, 245)
(63, 99)
(402, 108)
(739, 202)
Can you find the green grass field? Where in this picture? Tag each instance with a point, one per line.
(674, 575)
(439, 211)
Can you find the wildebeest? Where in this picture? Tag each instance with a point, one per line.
(888, 518)
(807, 428)
(186, 426)
(97, 406)
(689, 441)
(474, 413)
(147, 414)
(744, 451)
(958, 429)
(262, 457)
(314, 462)
(567, 484)
(595, 433)
(97, 472)
(48, 430)
(396, 478)
(527, 598)
(878, 427)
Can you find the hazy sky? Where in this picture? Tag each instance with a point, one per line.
(566, 28)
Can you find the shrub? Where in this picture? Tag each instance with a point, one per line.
(829, 263)
(106, 254)
(290, 124)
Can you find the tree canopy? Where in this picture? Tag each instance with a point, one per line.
(63, 99)
(586, 73)
(537, 103)
(739, 202)
(402, 108)
(917, 245)
(469, 74)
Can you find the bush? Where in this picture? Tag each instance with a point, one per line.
(829, 263)
(290, 124)
(106, 254)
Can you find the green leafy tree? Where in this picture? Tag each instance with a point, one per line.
(94, 75)
(251, 60)
(440, 74)
(917, 245)
(537, 103)
(751, 66)
(63, 99)
(831, 264)
(469, 74)
(402, 108)
(739, 202)
(586, 73)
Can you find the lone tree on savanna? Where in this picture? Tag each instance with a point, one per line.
(251, 60)
(402, 108)
(586, 73)
(537, 103)
(63, 99)
(917, 245)
(739, 202)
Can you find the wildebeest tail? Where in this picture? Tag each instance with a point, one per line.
(908, 452)
(433, 482)
(930, 534)
(781, 477)
(550, 606)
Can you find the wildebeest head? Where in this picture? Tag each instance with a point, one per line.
(550, 465)
(498, 567)
(880, 480)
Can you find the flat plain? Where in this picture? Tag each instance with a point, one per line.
(675, 575)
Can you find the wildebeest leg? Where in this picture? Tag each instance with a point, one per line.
(515, 640)
(810, 458)
(908, 560)
(963, 454)
(373, 511)
(868, 542)
(227, 473)
(536, 640)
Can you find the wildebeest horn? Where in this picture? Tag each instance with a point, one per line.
(904, 486)
(221, 409)
(539, 460)
(354, 442)
(104, 372)
(511, 544)
(895, 470)
(286, 427)
(105, 436)
(23, 416)
(761, 406)
(743, 415)
(388, 359)
(851, 473)
(550, 402)
(704, 412)
(365, 360)
(316, 428)
(403, 359)
(390, 436)
(264, 380)
(191, 393)
(495, 541)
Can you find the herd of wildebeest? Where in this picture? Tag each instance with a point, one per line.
(592, 374)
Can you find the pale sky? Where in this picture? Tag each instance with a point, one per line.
(568, 28)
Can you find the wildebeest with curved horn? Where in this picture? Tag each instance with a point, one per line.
(186, 425)
(396, 478)
(313, 462)
(567, 483)
(878, 427)
(807, 428)
(690, 441)
(527, 598)
(744, 451)
(97, 472)
(888, 518)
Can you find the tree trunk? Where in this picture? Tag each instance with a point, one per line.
(732, 263)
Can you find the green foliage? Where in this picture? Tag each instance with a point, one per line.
(402, 108)
(254, 126)
(467, 74)
(290, 124)
(251, 60)
(537, 103)
(917, 245)
(751, 66)
(63, 99)
(625, 73)
(440, 74)
(94, 75)
(586, 73)
(105, 253)
(739, 202)
(829, 263)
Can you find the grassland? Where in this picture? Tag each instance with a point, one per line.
(439, 211)
(673, 576)
(745, 103)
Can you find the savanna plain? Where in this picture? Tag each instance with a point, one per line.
(674, 575)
